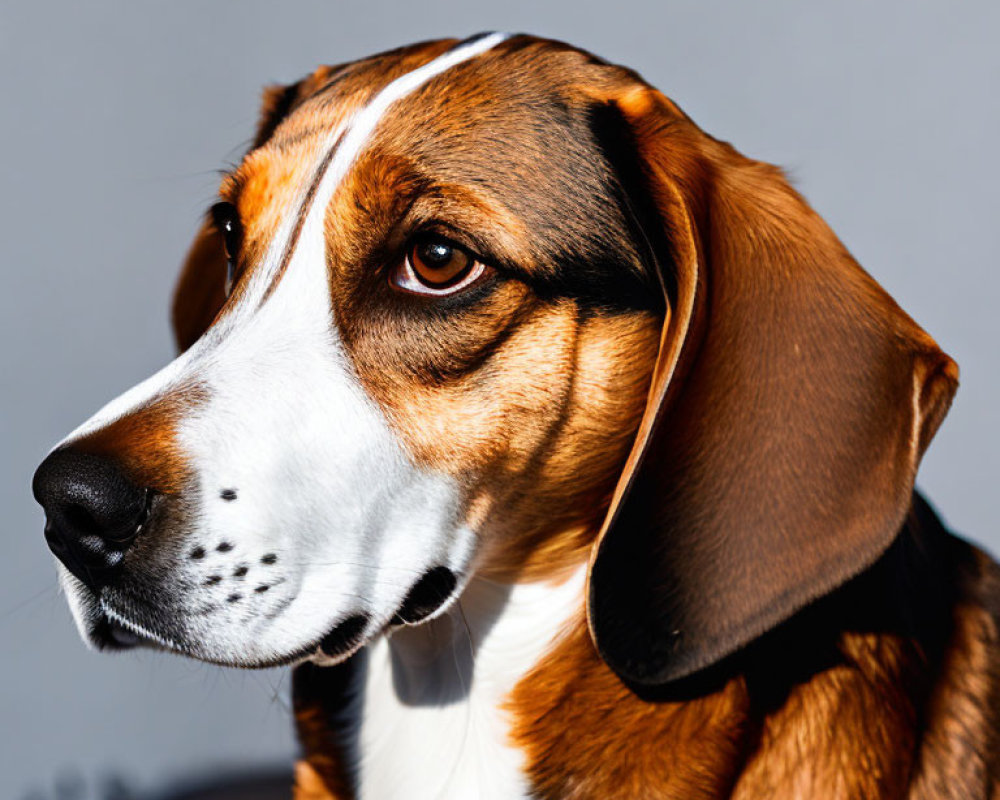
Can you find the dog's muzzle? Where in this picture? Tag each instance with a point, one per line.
(93, 513)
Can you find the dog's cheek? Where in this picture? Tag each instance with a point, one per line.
(537, 424)
(468, 392)
(542, 520)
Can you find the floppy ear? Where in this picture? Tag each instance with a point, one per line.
(200, 290)
(790, 404)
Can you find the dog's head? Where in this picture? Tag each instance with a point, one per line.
(487, 308)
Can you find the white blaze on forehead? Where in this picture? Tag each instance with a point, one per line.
(351, 143)
(363, 125)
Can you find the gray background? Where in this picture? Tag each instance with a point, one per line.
(115, 116)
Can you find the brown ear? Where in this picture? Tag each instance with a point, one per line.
(790, 404)
(200, 289)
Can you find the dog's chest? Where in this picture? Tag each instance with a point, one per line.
(432, 722)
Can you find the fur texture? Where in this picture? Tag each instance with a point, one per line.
(663, 451)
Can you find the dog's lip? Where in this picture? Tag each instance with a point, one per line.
(113, 631)
(125, 638)
(426, 597)
(116, 630)
(107, 634)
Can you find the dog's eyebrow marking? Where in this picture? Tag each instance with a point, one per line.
(344, 145)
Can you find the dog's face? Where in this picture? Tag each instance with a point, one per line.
(435, 345)
(488, 308)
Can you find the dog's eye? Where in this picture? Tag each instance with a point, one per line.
(227, 222)
(435, 266)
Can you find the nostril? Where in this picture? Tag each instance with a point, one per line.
(81, 520)
(55, 542)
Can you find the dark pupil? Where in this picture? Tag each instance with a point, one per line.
(232, 238)
(228, 224)
(436, 254)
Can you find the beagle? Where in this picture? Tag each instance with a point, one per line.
(564, 451)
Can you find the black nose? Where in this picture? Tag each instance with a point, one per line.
(93, 513)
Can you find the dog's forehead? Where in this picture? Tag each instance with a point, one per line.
(522, 81)
(295, 127)
(297, 119)
(508, 130)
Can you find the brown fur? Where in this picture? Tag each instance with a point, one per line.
(143, 442)
(851, 700)
(676, 365)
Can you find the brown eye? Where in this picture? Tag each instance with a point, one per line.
(435, 266)
(226, 219)
(437, 262)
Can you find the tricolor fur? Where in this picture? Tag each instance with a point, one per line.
(663, 453)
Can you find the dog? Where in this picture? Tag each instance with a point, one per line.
(563, 450)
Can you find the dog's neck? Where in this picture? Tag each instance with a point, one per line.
(426, 705)
(507, 688)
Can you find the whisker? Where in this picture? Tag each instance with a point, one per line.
(338, 594)
(363, 564)
(54, 590)
(466, 688)
(465, 624)
(375, 582)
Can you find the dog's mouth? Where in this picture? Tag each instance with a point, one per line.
(107, 634)
(115, 629)
(425, 599)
